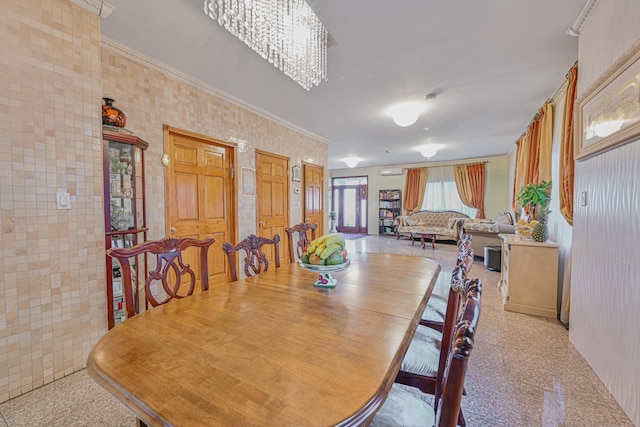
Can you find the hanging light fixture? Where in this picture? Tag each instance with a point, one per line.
(287, 33)
(352, 162)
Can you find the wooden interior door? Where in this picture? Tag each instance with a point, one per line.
(200, 195)
(313, 177)
(272, 188)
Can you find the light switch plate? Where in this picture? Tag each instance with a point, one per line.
(583, 198)
(63, 201)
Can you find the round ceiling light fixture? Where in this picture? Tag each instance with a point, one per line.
(429, 150)
(406, 113)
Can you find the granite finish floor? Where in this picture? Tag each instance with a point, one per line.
(523, 370)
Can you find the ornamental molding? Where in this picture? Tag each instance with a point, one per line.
(99, 7)
(583, 17)
(154, 64)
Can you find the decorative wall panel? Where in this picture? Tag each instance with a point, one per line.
(605, 294)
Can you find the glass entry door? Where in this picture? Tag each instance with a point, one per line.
(350, 204)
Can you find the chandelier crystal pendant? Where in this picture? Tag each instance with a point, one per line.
(287, 33)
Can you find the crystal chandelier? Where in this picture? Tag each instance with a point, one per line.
(287, 33)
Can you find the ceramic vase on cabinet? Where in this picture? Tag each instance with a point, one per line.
(112, 116)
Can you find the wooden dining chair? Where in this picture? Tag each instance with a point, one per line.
(295, 250)
(255, 260)
(425, 360)
(435, 311)
(404, 407)
(176, 278)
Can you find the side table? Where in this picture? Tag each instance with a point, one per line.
(424, 234)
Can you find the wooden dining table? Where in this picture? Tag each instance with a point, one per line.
(270, 350)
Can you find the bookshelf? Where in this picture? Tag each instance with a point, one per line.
(389, 203)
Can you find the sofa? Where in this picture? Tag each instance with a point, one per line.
(485, 231)
(447, 224)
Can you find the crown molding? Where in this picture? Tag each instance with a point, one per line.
(150, 62)
(583, 17)
(99, 7)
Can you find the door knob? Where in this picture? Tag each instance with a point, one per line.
(306, 219)
(261, 223)
(173, 230)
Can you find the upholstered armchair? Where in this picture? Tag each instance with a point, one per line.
(485, 231)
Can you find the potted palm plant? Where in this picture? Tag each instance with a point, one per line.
(535, 198)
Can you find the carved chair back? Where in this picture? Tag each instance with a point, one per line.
(461, 288)
(296, 249)
(178, 280)
(255, 260)
(464, 246)
(447, 400)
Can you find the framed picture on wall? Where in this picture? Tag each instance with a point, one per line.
(608, 114)
(296, 173)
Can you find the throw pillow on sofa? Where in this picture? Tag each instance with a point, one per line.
(504, 218)
(452, 222)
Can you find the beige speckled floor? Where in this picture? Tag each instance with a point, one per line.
(523, 371)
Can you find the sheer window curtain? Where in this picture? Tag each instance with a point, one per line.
(441, 193)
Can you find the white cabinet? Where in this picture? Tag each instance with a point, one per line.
(529, 276)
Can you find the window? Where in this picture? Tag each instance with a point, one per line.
(441, 193)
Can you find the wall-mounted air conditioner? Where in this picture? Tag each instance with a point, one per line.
(390, 171)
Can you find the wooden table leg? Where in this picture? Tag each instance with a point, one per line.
(422, 240)
(433, 241)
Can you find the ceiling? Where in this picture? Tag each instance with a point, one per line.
(491, 63)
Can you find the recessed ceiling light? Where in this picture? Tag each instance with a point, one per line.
(430, 97)
(388, 151)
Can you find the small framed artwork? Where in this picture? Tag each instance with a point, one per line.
(296, 173)
(117, 287)
(608, 114)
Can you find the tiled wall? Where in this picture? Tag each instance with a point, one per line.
(52, 266)
(53, 74)
(152, 95)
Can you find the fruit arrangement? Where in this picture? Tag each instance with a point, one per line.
(523, 229)
(325, 250)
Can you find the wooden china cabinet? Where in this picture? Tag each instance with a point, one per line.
(124, 211)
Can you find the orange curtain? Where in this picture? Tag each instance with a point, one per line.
(533, 156)
(414, 189)
(470, 184)
(567, 162)
(517, 174)
(546, 141)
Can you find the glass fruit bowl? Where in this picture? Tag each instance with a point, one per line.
(325, 278)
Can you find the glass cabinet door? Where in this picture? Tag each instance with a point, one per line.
(122, 186)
